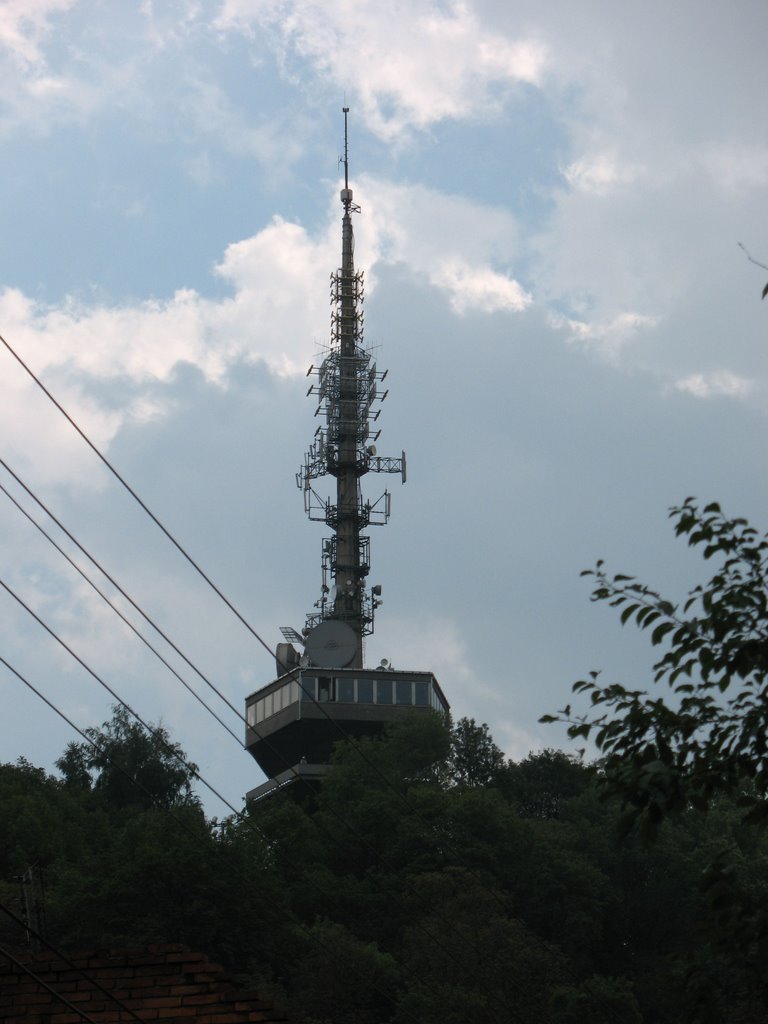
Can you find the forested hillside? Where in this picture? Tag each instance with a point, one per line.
(428, 880)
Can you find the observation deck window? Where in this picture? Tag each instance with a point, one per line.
(421, 694)
(345, 690)
(383, 691)
(403, 692)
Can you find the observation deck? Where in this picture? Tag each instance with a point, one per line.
(293, 722)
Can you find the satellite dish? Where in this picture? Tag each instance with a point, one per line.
(332, 595)
(332, 644)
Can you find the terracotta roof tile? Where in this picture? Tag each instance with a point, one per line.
(160, 984)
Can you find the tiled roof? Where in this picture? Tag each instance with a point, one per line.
(167, 984)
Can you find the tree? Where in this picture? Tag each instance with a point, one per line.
(542, 783)
(707, 743)
(129, 765)
(710, 739)
(474, 760)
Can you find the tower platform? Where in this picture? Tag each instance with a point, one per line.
(294, 721)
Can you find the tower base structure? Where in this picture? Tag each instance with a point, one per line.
(294, 721)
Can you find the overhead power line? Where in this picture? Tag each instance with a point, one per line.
(104, 597)
(139, 501)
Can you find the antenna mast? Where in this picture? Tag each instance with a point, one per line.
(347, 388)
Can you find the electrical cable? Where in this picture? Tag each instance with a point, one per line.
(70, 963)
(292, 768)
(121, 591)
(237, 814)
(343, 822)
(241, 618)
(139, 501)
(156, 735)
(114, 607)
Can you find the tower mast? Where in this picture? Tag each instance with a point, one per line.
(347, 387)
(324, 692)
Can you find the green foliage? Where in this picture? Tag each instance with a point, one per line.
(34, 819)
(597, 1000)
(704, 747)
(339, 979)
(475, 760)
(414, 885)
(662, 755)
(542, 784)
(129, 766)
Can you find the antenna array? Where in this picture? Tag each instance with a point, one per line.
(349, 392)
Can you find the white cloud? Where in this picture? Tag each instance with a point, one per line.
(606, 338)
(410, 65)
(600, 173)
(484, 290)
(718, 383)
(463, 248)
(277, 307)
(24, 24)
(276, 310)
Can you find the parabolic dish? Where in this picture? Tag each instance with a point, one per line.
(332, 644)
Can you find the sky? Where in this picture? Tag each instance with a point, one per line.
(553, 198)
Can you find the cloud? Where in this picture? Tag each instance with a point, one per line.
(411, 66)
(600, 173)
(463, 248)
(716, 384)
(609, 338)
(24, 24)
(210, 113)
(518, 743)
(276, 308)
(275, 276)
(739, 167)
(484, 289)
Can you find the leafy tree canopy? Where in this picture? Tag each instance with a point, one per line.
(129, 765)
(710, 738)
(704, 746)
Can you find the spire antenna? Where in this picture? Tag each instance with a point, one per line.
(346, 150)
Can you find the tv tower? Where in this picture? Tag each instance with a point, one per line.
(348, 386)
(323, 692)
